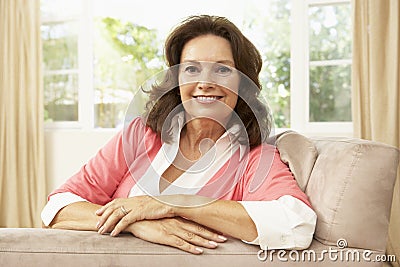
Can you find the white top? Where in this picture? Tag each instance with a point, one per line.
(285, 223)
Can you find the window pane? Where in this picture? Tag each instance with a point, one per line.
(330, 32)
(330, 93)
(60, 45)
(126, 55)
(271, 34)
(61, 97)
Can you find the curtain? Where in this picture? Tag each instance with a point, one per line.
(375, 84)
(22, 171)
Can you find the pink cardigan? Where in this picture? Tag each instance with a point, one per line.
(259, 175)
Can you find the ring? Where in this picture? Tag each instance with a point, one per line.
(123, 210)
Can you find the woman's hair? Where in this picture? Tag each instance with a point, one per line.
(164, 99)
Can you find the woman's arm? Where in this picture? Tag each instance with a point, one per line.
(176, 232)
(77, 216)
(97, 180)
(225, 216)
(286, 223)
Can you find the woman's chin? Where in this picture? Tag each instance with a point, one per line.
(220, 117)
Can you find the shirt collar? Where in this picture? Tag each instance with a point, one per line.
(178, 122)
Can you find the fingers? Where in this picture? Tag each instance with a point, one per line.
(100, 211)
(190, 233)
(105, 211)
(173, 232)
(177, 242)
(203, 232)
(137, 208)
(121, 225)
(195, 239)
(109, 219)
(159, 231)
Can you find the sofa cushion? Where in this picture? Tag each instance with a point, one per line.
(351, 188)
(299, 153)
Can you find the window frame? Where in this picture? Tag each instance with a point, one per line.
(85, 71)
(299, 73)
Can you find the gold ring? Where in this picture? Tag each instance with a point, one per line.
(123, 210)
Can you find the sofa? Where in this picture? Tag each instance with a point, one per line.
(348, 181)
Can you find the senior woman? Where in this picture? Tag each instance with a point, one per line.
(195, 167)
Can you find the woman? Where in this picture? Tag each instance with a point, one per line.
(184, 174)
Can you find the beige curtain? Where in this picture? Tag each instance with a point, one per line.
(375, 82)
(22, 173)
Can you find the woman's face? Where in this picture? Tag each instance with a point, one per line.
(208, 81)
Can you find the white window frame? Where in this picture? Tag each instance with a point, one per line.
(299, 72)
(85, 72)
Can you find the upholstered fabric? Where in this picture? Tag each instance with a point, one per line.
(47, 247)
(351, 189)
(299, 153)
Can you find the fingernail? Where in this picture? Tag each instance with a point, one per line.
(98, 225)
(199, 250)
(97, 211)
(223, 238)
(112, 233)
(212, 243)
(101, 230)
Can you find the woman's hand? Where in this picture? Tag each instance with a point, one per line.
(176, 232)
(121, 212)
(226, 216)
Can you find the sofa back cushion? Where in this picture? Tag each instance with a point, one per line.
(299, 153)
(350, 188)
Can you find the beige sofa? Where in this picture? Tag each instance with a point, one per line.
(349, 182)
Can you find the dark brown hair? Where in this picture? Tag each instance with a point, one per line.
(247, 59)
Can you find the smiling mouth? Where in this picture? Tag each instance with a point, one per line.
(207, 99)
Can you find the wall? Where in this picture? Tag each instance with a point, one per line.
(68, 150)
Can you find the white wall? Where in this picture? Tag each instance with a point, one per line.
(68, 150)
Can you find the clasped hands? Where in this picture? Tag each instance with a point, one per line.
(156, 220)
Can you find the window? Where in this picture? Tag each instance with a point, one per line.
(97, 55)
(59, 31)
(321, 66)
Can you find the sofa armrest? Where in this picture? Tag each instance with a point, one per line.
(49, 247)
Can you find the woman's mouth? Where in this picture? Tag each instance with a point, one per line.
(207, 99)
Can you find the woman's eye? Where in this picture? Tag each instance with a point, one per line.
(192, 69)
(223, 70)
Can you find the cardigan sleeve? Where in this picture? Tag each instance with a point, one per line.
(281, 212)
(99, 178)
(267, 177)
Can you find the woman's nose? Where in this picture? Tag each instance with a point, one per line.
(204, 85)
(205, 80)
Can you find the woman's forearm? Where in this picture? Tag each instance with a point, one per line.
(226, 216)
(77, 216)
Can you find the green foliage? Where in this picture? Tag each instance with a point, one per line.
(126, 55)
(135, 41)
(60, 46)
(271, 35)
(330, 32)
(330, 39)
(330, 93)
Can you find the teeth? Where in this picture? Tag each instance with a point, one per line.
(207, 98)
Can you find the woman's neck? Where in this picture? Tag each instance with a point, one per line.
(199, 135)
